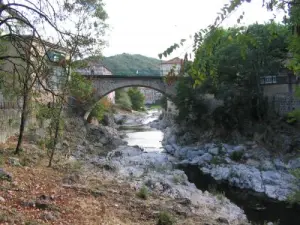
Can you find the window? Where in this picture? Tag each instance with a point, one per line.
(268, 80)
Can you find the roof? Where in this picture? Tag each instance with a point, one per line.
(29, 37)
(176, 60)
(98, 64)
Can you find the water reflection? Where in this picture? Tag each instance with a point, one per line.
(142, 135)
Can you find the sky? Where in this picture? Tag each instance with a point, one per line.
(148, 27)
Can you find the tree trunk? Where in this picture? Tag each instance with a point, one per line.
(55, 137)
(22, 124)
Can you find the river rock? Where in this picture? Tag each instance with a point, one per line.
(193, 153)
(239, 148)
(200, 160)
(119, 119)
(13, 161)
(108, 120)
(278, 185)
(253, 162)
(279, 164)
(169, 149)
(267, 165)
(172, 140)
(294, 163)
(214, 151)
(156, 171)
(246, 177)
(5, 175)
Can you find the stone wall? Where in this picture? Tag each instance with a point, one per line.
(9, 123)
(284, 103)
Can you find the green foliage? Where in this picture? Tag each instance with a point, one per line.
(165, 218)
(163, 102)
(178, 179)
(98, 111)
(127, 64)
(295, 197)
(143, 193)
(228, 65)
(137, 98)
(1, 159)
(236, 156)
(293, 116)
(190, 102)
(296, 172)
(122, 99)
(43, 111)
(80, 88)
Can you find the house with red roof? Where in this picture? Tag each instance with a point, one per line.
(166, 66)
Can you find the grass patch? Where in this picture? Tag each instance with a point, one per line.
(178, 178)
(1, 159)
(165, 218)
(155, 107)
(295, 197)
(216, 160)
(143, 193)
(220, 195)
(236, 156)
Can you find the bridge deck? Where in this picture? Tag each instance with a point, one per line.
(122, 76)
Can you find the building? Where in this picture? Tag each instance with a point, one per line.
(95, 68)
(151, 96)
(29, 56)
(167, 66)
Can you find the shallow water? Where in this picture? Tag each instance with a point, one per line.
(144, 136)
(259, 209)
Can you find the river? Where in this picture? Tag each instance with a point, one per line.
(258, 209)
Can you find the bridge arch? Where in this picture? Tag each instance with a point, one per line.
(104, 84)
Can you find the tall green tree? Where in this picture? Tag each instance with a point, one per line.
(137, 98)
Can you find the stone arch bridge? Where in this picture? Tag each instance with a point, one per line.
(104, 84)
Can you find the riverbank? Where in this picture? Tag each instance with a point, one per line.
(247, 167)
(90, 183)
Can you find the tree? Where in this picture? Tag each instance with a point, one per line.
(229, 64)
(103, 106)
(137, 98)
(123, 99)
(83, 35)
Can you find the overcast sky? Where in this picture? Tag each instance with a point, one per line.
(148, 27)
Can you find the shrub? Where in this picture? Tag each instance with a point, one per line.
(1, 159)
(143, 193)
(100, 109)
(123, 100)
(236, 155)
(178, 179)
(295, 197)
(165, 218)
(137, 98)
(293, 116)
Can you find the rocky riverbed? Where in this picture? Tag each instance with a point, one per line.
(153, 170)
(246, 166)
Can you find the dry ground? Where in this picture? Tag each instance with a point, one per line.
(37, 195)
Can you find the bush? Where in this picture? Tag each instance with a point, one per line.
(295, 197)
(165, 219)
(293, 116)
(143, 193)
(100, 109)
(123, 100)
(1, 159)
(236, 156)
(137, 98)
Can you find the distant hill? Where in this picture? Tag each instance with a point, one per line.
(127, 64)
